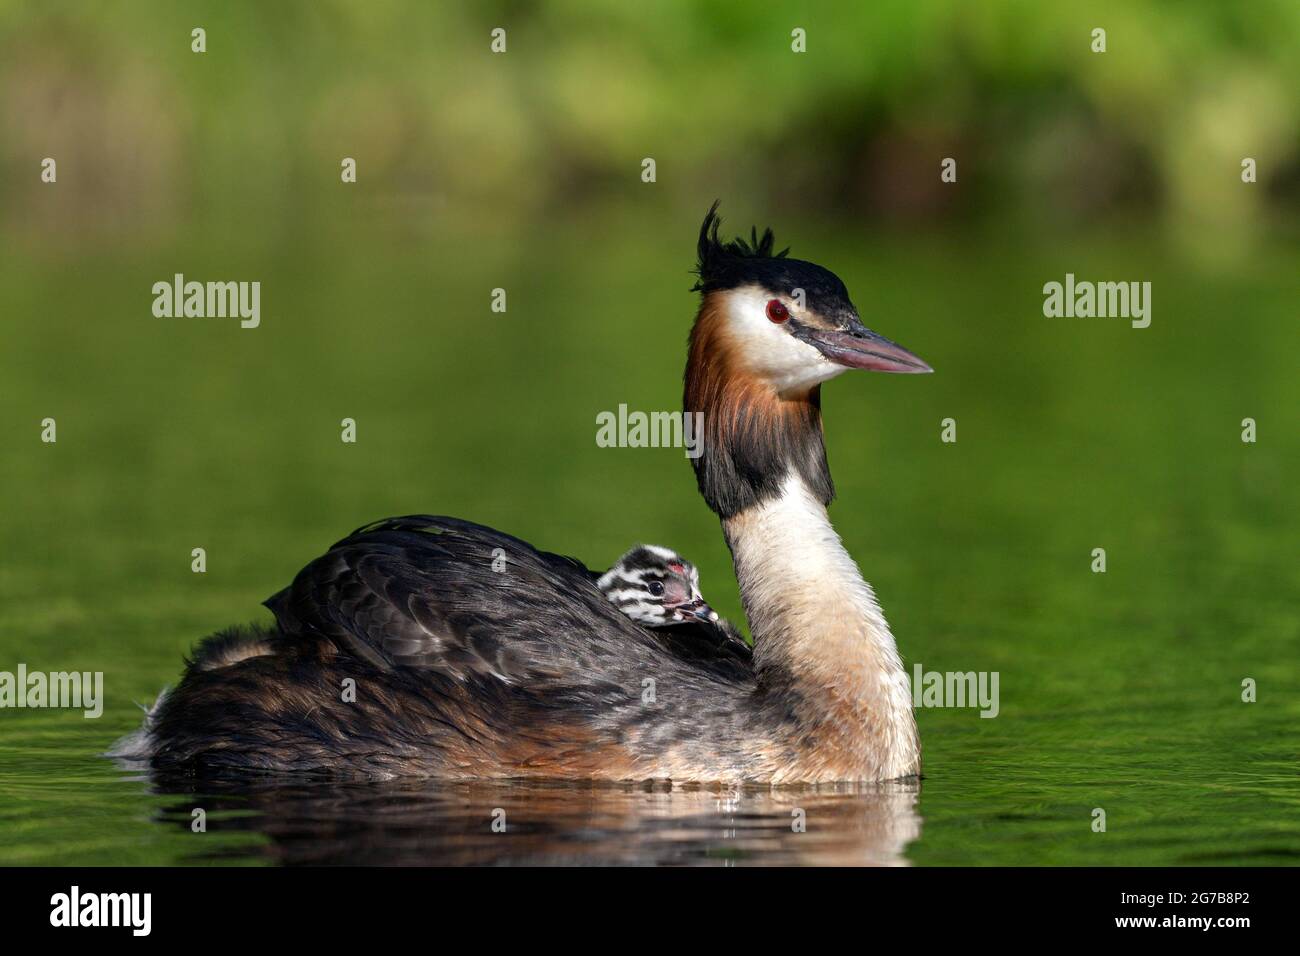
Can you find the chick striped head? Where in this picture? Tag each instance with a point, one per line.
(656, 587)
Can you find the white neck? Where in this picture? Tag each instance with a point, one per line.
(817, 626)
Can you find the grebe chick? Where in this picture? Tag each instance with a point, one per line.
(471, 654)
(657, 587)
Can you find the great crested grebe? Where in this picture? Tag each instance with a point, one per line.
(433, 646)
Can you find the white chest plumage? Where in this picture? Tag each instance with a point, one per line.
(813, 616)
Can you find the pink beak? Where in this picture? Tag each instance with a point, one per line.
(859, 347)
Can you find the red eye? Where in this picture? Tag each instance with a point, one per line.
(776, 311)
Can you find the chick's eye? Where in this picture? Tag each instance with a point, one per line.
(776, 311)
(656, 588)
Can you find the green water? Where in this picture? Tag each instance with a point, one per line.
(1118, 690)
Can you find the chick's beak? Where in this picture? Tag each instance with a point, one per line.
(696, 610)
(856, 346)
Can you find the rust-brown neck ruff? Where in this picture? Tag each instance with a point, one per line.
(753, 436)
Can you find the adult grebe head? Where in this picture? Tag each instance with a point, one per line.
(770, 330)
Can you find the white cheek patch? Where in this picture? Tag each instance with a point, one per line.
(768, 348)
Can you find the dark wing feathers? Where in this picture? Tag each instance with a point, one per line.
(719, 645)
(452, 596)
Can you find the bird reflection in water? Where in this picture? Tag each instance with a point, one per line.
(420, 822)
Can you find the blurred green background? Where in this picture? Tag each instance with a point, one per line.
(522, 171)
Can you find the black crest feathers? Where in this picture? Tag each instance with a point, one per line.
(722, 263)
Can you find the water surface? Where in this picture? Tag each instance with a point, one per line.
(1120, 691)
